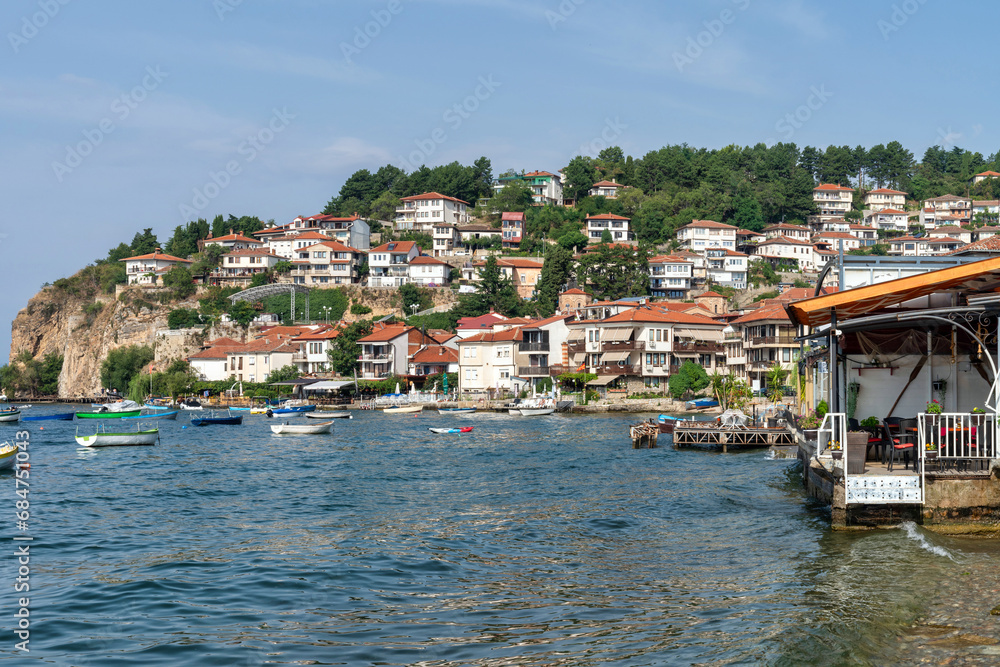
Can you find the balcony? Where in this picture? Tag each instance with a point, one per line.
(760, 365)
(300, 357)
(533, 347)
(773, 340)
(576, 347)
(734, 336)
(615, 369)
(624, 346)
(698, 346)
(540, 371)
(376, 358)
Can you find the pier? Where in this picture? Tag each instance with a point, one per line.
(708, 435)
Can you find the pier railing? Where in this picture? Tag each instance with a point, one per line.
(832, 434)
(959, 437)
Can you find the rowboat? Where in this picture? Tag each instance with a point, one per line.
(62, 416)
(214, 418)
(536, 412)
(666, 423)
(301, 429)
(403, 409)
(464, 429)
(159, 414)
(107, 439)
(8, 455)
(156, 406)
(702, 403)
(456, 411)
(294, 409)
(255, 410)
(11, 415)
(189, 404)
(108, 414)
(329, 415)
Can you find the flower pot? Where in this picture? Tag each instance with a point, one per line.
(857, 451)
(811, 433)
(930, 454)
(837, 454)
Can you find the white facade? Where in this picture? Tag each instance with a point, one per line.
(832, 201)
(616, 225)
(876, 200)
(429, 272)
(727, 267)
(789, 250)
(888, 219)
(146, 269)
(422, 212)
(701, 234)
(389, 264)
(327, 263)
(670, 277)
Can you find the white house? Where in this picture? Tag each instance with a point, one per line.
(147, 269)
(429, 272)
(785, 250)
(422, 212)
(834, 240)
(727, 267)
(546, 188)
(880, 198)
(389, 264)
(488, 361)
(982, 176)
(887, 219)
(865, 234)
(446, 239)
(832, 201)
(616, 225)
(327, 263)
(791, 231)
(952, 232)
(670, 276)
(700, 234)
(239, 266)
(313, 350)
(231, 241)
(945, 210)
(606, 189)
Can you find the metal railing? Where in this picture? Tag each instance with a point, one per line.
(832, 435)
(958, 436)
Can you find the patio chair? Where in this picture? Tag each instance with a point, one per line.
(897, 444)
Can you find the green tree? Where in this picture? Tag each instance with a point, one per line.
(124, 363)
(580, 175)
(145, 242)
(555, 275)
(242, 313)
(410, 294)
(284, 374)
(260, 279)
(345, 350)
(690, 377)
(606, 236)
(494, 291)
(181, 281)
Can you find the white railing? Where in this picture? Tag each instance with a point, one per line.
(958, 436)
(832, 434)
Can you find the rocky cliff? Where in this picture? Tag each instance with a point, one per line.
(85, 328)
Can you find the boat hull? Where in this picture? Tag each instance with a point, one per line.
(108, 415)
(8, 455)
(329, 415)
(536, 412)
(156, 415)
(10, 416)
(408, 409)
(464, 429)
(210, 421)
(293, 410)
(64, 416)
(301, 429)
(456, 411)
(119, 439)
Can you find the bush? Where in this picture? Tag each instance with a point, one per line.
(360, 309)
(822, 408)
(183, 318)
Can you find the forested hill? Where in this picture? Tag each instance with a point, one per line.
(746, 186)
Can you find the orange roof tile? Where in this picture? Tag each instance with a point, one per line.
(433, 195)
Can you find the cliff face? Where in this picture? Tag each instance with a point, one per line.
(56, 321)
(85, 329)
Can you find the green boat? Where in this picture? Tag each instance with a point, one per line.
(108, 415)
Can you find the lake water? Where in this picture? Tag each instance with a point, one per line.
(531, 541)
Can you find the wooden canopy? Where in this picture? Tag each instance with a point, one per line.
(972, 277)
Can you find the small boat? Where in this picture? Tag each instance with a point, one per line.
(402, 409)
(536, 412)
(108, 414)
(62, 416)
(23, 407)
(702, 403)
(456, 411)
(533, 407)
(329, 415)
(464, 429)
(301, 429)
(293, 409)
(120, 439)
(8, 455)
(189, 404)
(159, 414)
(216, 418)
(10, 415)
(156, 406)
(666, 423)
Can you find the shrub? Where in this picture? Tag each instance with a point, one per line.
(360, 309)
(822, 408)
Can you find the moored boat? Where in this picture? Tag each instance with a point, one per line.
(8, 455)
(107, 414)
(62, 416)
(189, 404)
(464, 429)
(104, 438)
(293, 409)
(11, 415)
(456, 411)
(301, 429)
(402, 409)
(702, 403)
(226, 418)
(158, 414)
(329, 415)
(536, 412)
(666, 423)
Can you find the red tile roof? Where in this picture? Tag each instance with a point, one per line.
(336, 246)
(772, 312)
(988, 173)
(607, 216)
(482, 322)
(575, 290)
(830, 186)
(398, 246)
(232, 237)
(427, 260)
(714, 295)
(432, 195)
(251, 252)
(779, 240)
(436, 354)
(885, 191)
(643, 314)
(512, 216)
(158, 256)
(890, 211)
(494, 337)
(607, 184)
(708, 224)
(383, 333)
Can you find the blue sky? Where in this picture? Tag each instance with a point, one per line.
(117, 115)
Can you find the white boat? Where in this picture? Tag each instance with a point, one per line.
(10, 415)
(456, 411)
(534, 407)
(329, 415)
(120, 406)
(108, 439)
(24, 407)
(155, 415)
(402, 409)
(301, 429)
(8, 455)
(536, 412)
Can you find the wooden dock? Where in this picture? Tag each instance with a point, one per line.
(712, 436)
(644, 435)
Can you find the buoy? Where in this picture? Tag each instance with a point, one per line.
(183, 427)
(41, 428)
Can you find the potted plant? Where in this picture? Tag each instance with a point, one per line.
(835, 450)
(810, 424)
(872, 425)
(930, 450)
(933, 407)
(857, 451)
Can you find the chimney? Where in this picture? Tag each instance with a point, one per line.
(157, 251)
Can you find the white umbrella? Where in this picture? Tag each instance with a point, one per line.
(397, 387)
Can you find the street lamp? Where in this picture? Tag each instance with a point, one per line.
(413, 307)
(326, 312)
